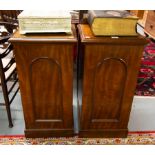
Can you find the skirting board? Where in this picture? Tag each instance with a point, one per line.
(142, 116)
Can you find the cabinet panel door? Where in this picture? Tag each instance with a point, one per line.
(46, 78)
(109, 80)
(108, 87)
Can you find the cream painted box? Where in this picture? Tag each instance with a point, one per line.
(41, 21)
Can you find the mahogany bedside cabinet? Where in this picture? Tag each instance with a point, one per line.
(45, 70)
(109, 67)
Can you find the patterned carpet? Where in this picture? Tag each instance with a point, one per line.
(146, 78)
(132, 139)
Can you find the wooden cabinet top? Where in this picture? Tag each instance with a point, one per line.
(45, 37)
(87, 36)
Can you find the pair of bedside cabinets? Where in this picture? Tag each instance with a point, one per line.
(107, 74)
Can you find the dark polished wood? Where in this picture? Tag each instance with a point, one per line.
(108, 80)
(45, 69)
(10, 16)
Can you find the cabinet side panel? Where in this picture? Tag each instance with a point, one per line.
(108, 85)
(45, 73)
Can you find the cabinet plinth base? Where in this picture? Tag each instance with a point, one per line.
(106, 133)
(38, 133)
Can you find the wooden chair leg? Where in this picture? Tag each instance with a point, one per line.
(6, 99)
